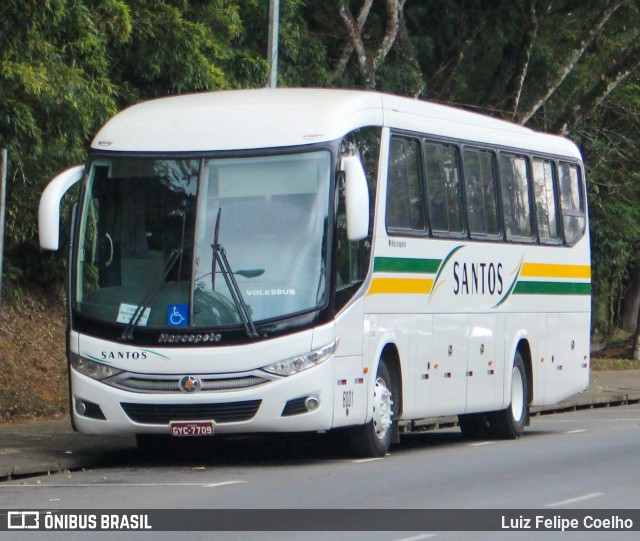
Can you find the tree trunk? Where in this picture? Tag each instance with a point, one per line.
(370, 61)
(631, 304)
(621, 71)
(571, 60)
(341, 65)
(439, 82)
(516, 83)
(636, 340)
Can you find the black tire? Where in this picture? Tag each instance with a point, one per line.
(509, 423)
(374, 438)
(475, 426)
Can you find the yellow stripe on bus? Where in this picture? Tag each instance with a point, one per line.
(400, 285)
(549, 270)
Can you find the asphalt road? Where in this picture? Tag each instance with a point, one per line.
(580, 460)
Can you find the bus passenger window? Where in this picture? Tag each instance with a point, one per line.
(480, 190)
(443, 189)
(515, 197)
(404, 193)
(545, 197)
(572, 199)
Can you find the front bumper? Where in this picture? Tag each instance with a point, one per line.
(262, 408)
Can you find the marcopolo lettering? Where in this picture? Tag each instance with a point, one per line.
(204, 338)
(477, 278)
(393, 243)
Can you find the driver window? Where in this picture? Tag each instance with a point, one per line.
(353, 258)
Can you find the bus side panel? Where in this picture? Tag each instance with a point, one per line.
(350, 398)
(567, 360)
(540, 363)
(448, 372)
(483, 376)
(422, 355)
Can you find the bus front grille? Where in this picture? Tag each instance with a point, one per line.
(171, 384)
(163, 414)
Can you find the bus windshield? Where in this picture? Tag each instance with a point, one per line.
(150, 229)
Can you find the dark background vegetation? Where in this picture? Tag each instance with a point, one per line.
(563, 66)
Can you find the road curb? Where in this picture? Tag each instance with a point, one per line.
(36, 465)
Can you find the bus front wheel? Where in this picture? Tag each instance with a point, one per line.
(374, 438)
(509, 423)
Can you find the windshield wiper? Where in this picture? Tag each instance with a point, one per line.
(232, 284)
(214, 259)
(150, 294)
(220, 257)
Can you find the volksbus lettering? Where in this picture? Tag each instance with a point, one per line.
(270, 292)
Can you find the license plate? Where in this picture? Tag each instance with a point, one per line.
(191, 429)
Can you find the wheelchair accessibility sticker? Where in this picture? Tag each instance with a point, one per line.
(178, 315)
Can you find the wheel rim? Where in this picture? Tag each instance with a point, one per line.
(382, 411)
(517, 395)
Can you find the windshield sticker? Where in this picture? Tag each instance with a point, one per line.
(178, 315)
(126, 311)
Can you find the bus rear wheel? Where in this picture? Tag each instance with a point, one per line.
(509, 423)
(374, 438)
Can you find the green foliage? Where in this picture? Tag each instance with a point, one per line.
(302, 55)
(66, 66)
(54, 93)
(615, 229)
(174, 47)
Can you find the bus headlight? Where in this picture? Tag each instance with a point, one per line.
(297, 364)
(93, 369)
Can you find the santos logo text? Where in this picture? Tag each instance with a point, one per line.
(477, 278)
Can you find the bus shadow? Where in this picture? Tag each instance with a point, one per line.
(453, 437)
(246, 450)
(430, 439)
(277, 449)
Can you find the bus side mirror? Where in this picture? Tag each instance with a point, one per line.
(356, 198)
(49, 208)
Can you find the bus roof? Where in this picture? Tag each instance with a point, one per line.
(262, 118)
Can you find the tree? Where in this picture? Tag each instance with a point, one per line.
(620, 71)
(370, 51)
(567, 66)
(54, 91)
(67, 66)
(590, 31)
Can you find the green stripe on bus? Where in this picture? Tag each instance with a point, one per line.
(552, 288)
(395, 264)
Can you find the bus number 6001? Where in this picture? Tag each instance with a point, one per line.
(347, 399)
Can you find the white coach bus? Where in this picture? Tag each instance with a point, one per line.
(309, 260)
